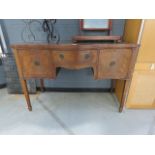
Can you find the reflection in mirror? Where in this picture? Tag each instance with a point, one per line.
(95, 24)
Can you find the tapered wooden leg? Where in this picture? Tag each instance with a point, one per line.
(25, 91)
(42, 85)
(125, 94)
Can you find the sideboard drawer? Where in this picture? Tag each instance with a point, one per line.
(87, 57)
(114, 63)
(64, 57)
(36, 64)
(74, 59)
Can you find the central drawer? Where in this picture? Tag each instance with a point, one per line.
(74, 59)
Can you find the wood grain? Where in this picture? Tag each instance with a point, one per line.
(114, 63)
(22, 81)
(97, 38)
(108, 61)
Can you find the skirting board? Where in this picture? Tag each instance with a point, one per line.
(2, 86)
(77, 89)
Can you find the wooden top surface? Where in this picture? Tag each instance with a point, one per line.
(96, 38)
(73, 46)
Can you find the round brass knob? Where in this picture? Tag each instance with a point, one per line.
(112, 63)
(61, 56)
(36, 62)
(87, 56)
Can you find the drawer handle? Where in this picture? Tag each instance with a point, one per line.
(37, 63)
(112, 63)
(61, 56)
(87, 56)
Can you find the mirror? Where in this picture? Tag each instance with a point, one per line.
(95, 24)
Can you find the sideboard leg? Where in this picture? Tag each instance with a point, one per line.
(42, 85)
(125, 94)
(26, 93)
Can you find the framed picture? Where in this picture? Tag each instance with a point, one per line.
(96, 24)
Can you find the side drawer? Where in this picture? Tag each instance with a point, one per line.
(114, 63)
(36, 64)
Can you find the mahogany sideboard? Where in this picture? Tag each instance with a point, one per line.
(108, 61)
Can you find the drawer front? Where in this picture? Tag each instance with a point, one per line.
(36, 64)
(74, 59)
(87, 57)
(114, 63)
(64, 57)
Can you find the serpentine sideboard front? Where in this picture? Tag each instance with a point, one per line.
(108, 61)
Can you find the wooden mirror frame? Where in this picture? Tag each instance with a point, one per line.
(96, 29)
